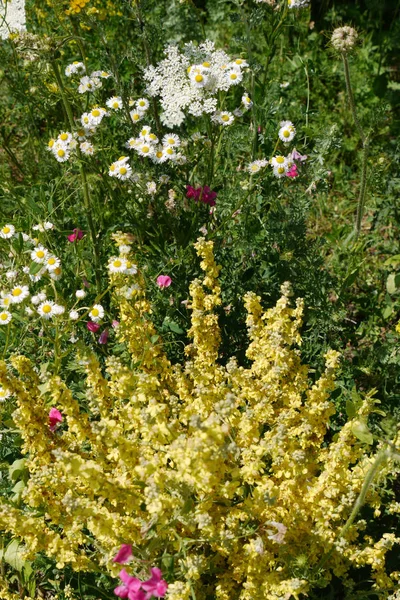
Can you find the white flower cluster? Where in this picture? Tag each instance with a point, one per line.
(87, 83)
(190, 80)
(298, 3)
(121, 169)
(281, 165)
(257, 165)
(147, 145)
(141, 107)
(344, 38)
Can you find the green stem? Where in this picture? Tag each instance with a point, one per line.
(380, 458)
(365, 145)
(7, 340)
(85, 186)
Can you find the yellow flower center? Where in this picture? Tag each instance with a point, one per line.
(63, 136)
(95, 113)
(95, 312)
(286, 133)
(6, 229)
(254, 168)
(159, 154)
(135, 117)
(152, 136)
(117, 263)
(40, 254)
(238, 61)
(169, 151)
(46, 308)
(233, 76)
(61, 152)
(17, 292)
(57, 271)
(171, 141)
(206, 64)
(199, 78)
(145, 149)
(3, 316)
(115, 104)
(51, 261)
(281, 170)
(51, 143)
(280, 159)
(225, 117)
(123, 171)
(142, 103)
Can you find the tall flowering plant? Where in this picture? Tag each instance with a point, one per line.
(222, 475)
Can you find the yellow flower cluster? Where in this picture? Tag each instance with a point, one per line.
(228, 472)
(75, 6)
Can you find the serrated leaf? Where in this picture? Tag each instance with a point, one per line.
(361, 431)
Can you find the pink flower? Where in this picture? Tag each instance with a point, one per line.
(130, 587)
(115, 324)
(124, 554)
(103, 339)
(93, 327)
(155, 586)
(202, 194)
(292, 172)
(164, 281)
(297, 156)
(55, 417)
(77, 234)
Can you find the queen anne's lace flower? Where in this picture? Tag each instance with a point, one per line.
(188, 81)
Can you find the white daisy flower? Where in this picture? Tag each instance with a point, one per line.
(39, 254)
(61, 153)
(144, 131)
(136, 116)
(59, 309)
(7, 231)
(247, 101)
(234, 76)
(159, 157)
(97, 313)
(117, 265)
(74, 315)
(101, 74)
(89, 84)
(55, 274)
(80, 294)
(151, 188)
(144, 149)
(171, 139)
(133, 142)
(5, 317)
(280, 171)
(86, 120)
(52, 262)
(75, 67)
(142, 104)
(169, 152)
(65, 137)
(279, 161)
(287, 131)
(115, 102)
(5, 301)
(130, 292)
(123, 171)
(223, 118)
(198, 76)
(4, 394)
(131, 269)
(256, 166)
(124, 249)
(96, 115)
(47, 309)
(151, 138)
(241, 63)
(87, 148)
(18, 294)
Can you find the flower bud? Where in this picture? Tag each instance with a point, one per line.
(344, 38)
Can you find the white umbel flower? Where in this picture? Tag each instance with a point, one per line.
(12, 17)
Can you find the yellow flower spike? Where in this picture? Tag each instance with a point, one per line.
(176, 458)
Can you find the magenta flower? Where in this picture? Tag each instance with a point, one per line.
(292, 172)
(103, 339)
(130, 587)
(93, 327)
(155, 586)
(201, 194)
(297, 156)
(124, 554)
(55, 417)
(164, 281)
(77, 234)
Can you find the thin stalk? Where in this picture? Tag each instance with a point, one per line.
(85, 186)
(147, 52)
(7, 340)
(380, 458)
(365, 145)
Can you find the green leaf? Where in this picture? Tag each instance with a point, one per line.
(15, 470)
(393, 261)
(35, 268)
(350, 409)
(393, 283)
(361, 431)
(174, 327)
(13, 555)
(387, 311)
